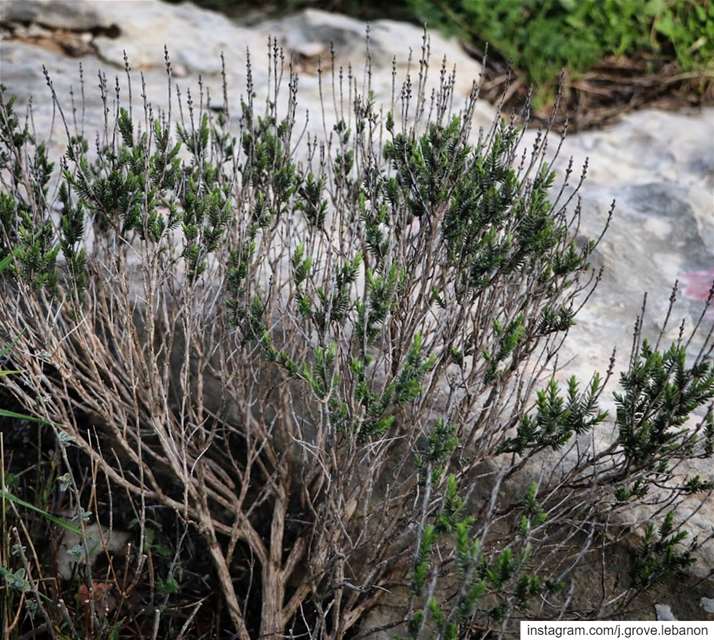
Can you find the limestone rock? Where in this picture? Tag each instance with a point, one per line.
(195, 36)
(707, 604)
(59, 14)
(312, 34)
(664, 612)
(141, 29)
(76, 549)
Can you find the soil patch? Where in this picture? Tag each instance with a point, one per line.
(614, 87)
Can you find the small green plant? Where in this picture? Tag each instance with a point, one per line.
(661, 553)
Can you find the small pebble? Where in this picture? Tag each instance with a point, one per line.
(664, 612)
(310, 49)
(179, 70)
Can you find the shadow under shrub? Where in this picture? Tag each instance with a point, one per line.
(334, 360)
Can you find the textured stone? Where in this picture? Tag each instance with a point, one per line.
(664, 612)
(707, 604)
(312, 32)
(141, 29)
(58, 14)
(75, 549)
(196, 37)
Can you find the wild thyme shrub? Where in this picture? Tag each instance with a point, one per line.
(335, 360)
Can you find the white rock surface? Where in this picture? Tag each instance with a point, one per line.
(310, 33)
(75, 549)
(707, 604)
(64, 14)
(664, 612)
(196, 38)
(142, 28)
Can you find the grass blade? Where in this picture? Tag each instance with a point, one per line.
(60, 522)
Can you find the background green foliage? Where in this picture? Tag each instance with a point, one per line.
(540, 37)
